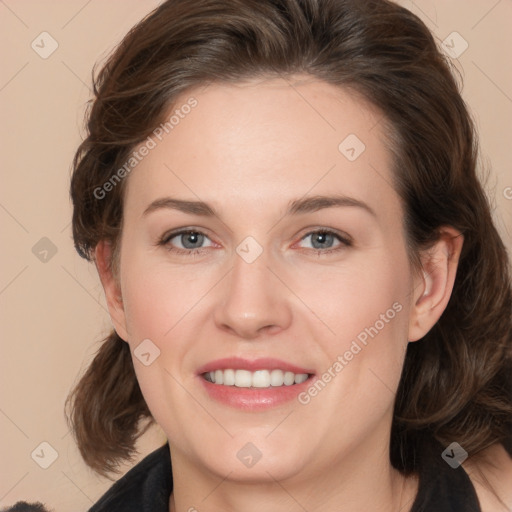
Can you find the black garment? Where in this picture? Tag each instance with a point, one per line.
(148, 486)
(444, 489)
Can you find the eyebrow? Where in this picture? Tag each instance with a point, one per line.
(298, 206)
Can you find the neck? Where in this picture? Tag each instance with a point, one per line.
(356, 483)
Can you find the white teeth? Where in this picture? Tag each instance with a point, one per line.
(276, 378)
(229, 378)
(300, 378)
(257, 379)
(260, 379)
(289, 378)
(242, 379)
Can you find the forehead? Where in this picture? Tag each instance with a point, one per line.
(264, 141)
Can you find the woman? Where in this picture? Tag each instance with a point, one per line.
(308, 292)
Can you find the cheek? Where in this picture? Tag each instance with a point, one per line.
(366, 311)
(159, 308)
(156, 298)
(344, 302)
(368, 294)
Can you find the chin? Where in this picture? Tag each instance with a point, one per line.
(255, 461)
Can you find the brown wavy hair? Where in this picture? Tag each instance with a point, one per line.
(457, 381)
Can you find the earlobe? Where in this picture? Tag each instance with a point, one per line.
(111, 286)
(433, 289)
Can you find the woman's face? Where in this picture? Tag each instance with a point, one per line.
(301, 267)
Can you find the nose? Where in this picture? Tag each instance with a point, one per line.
(254, 301)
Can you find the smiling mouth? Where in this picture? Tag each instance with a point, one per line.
(257, 379)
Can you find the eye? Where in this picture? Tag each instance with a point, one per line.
(185, 241)
(326, 241)
(191, 241)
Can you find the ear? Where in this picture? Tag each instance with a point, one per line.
(432, 289)
(111, 287)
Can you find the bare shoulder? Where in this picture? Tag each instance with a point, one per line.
(492, 471)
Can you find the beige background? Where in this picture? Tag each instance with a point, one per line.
(53, 313)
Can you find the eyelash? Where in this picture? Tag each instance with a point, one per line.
(164, 241)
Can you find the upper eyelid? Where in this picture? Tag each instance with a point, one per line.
(343, 238)
(342, 235)
(172, 234)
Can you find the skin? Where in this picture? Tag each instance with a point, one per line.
(248, 150)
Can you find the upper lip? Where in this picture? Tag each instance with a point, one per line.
(264, 363)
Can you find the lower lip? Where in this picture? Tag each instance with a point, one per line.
(254, 399)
